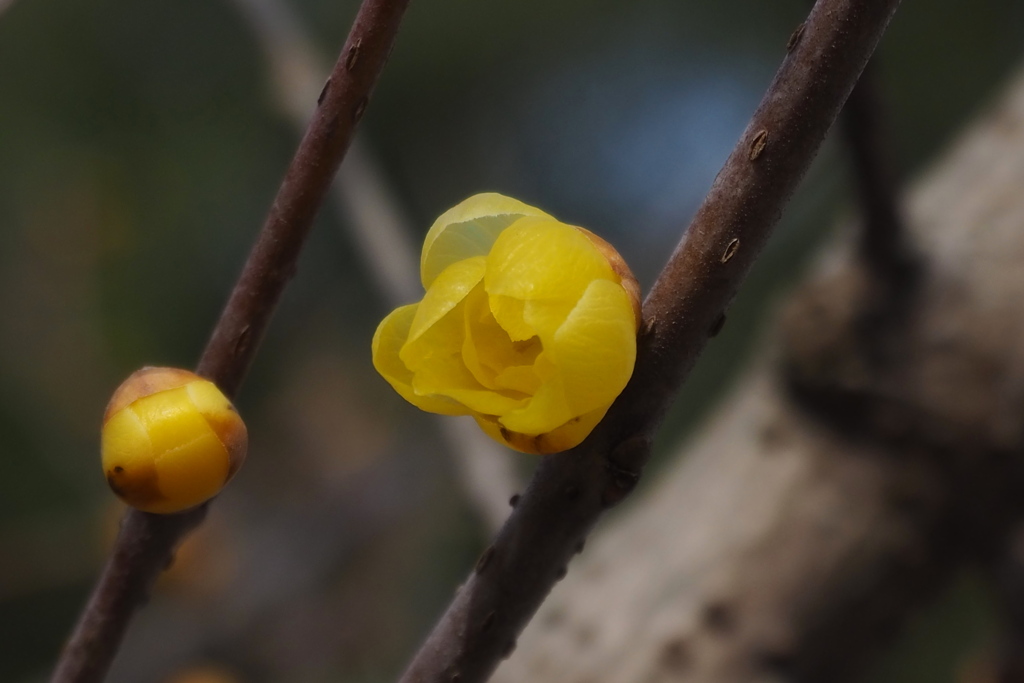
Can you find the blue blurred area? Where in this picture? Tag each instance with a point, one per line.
(623, 141)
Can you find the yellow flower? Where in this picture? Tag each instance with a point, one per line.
(527, 324)
(171, 440)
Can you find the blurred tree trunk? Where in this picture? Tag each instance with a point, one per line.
(870, 453)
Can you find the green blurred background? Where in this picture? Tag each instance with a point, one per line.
(140, 147)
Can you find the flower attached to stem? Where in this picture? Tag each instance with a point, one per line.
(171, 440)
(528, 324)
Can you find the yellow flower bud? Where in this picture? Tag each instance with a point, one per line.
(171, 440)
(528, 324)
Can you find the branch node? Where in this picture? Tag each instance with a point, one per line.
(485, 559)
(649, 327)
(360, 108)
(488, 621)
(631, 454)
(323, 92)
(353, 54)
(795, 37)
(758, 144)
(730, 250)
(621, 483)
(717, 326)
(242, 340)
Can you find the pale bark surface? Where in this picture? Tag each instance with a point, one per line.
(870, 453)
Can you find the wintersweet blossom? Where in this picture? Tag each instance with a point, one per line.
(528, 324)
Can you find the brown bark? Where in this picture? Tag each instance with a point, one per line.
(863, 460)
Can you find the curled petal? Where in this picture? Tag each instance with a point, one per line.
(388, 340)
(546, 410)
(547, 262)
(436, 360)
(595, 348)
(497, 362)
(589, 359)
(469, 229)
(523, 378)
(448, 291)
(511, 315)
(478, 401)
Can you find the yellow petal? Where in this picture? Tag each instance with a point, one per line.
(595, 349)
(436, 360)
(194, 472)
(542, 260)
(476, 318)
(510, 315)
(388, 340)
(223, 419)
(586, 363)
(125, 440)
(469, 229)
(559, 439)
(547, 409)
(448, 290)
(489, 352)
(479, 401)
(189, 461)
(171, 420)
(522, 378)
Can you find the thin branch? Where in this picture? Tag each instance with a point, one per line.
(783, 549)
(272, 261)
(381, 232)
(569, 491)
(383, 236)
(884, 243)
(146, 542)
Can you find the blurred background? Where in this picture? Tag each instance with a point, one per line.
(140, 147)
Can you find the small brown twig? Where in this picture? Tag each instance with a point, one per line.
(272, 261)
(146, 542)
(884, 240)
(569, 491)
